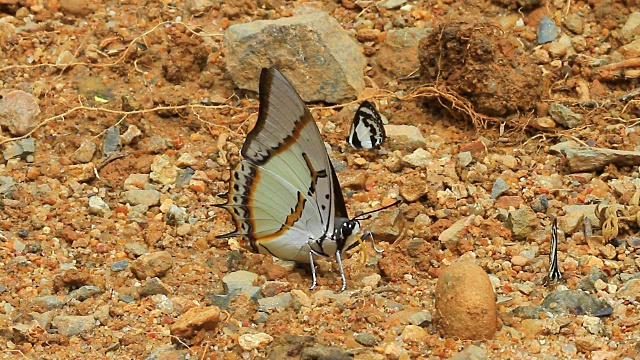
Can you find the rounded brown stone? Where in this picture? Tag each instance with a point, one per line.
(465, 302)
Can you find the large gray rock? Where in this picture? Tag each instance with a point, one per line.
(313, 51)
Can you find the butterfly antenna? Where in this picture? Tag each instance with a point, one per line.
(367, 215)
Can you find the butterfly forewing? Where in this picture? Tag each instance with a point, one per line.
(285, 192)
(367, 130)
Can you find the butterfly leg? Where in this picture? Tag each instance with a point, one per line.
(344, 279)
(313, 268)
(373, 244)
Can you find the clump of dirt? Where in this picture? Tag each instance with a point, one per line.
(476, 60)
(188, 56)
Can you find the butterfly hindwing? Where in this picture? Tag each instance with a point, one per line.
(367, 130)
(285, 192)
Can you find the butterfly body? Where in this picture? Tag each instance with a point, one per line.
(367, 130)
(284, 196)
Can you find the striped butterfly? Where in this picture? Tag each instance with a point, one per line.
(367, 129)
(554, 271)
(284, 196)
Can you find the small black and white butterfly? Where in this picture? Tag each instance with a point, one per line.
(554, 271)
(367, 129)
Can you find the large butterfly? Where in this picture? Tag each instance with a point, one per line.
(284, 196)
(367, 130)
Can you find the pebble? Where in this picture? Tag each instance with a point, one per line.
(131, 134)
(154, 286)
(169, 352)
(155, 264)
(163, 170)
(465, 158)
(420, 318)
(413, 188)
(186, 160)
(587, 283)
(456, 232)
(19, 246)
(575, 302)
(526, 288)
(419, 158)
(354, 179)
(593, 324)
(111, 142)
(195, 319)
(73, 325)
(176, 215)
(371, 280)
(19, 112)
(239, 280)
(300, 299)
(547, 30)
(390, 4)
(155, 144)
(565, 116)
(135, 249)
(97, 206)
(366, 339)
(279, 301)
(519, 260)
(323, 352)
(141, 197)
(136, 182)
(499, 187)
(574, 23)
(522, 222)
(405, 137)
(631, 28)
(198, 7)
(82, 172)
(559, 49)
(7, 185)
(85, 292)
(163, 303)
(48, 302)
(66, 58)
(22, 149)
(273, 288)
(630, 290)
(540, 204)
(127, 299)
(250, 342)
(413, 333)
(120, 265)
(471, 352)
(185, 177)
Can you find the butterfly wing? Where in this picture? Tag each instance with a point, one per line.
(285, 192)
(367, 129)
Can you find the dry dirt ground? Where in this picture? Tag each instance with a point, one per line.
(159, 67)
